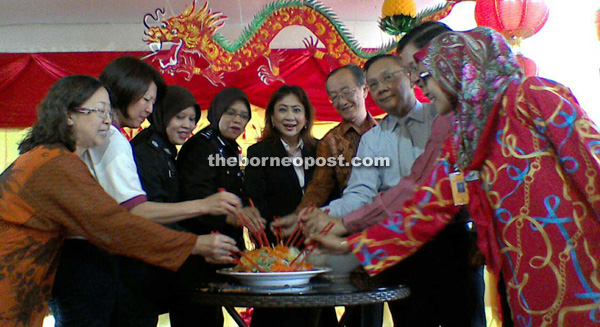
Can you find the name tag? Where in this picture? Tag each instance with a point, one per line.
(458, 184)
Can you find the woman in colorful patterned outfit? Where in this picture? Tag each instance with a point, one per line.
(48, 193)
(529, 157)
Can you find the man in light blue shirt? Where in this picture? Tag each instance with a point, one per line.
(401, 136)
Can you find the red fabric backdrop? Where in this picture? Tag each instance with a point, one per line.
(26, 77)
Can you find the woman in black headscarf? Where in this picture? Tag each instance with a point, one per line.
(150, 291)
(209, 162)
(172, 122)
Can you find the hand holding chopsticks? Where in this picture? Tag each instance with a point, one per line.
(285, 225)
(315, 220)
(310, 246)
(331, 244)
(221, 203)
(215, 248)
(251, 219)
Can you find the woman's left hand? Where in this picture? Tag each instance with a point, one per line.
(254, 221)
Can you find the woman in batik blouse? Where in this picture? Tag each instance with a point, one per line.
(49, 193)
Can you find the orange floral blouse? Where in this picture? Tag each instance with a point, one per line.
(47, 193)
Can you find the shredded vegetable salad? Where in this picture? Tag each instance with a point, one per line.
(268, 259)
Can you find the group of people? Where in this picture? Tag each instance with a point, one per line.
(497, 169)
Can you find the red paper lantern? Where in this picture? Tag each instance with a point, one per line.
(515, 19)
(528, 65)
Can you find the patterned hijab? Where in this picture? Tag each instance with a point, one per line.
(476, 67)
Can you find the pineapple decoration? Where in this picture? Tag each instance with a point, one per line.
(398, 16)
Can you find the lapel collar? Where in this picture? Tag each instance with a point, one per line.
(290, 173)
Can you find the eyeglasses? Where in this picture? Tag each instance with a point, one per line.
(103, 112)
(412, 69)
(422, 79)
(388, 79)
(346, 93)
(232, 113)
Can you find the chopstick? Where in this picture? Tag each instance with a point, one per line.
(262, 233)
(311, 246)
(259, 236)
(278, 236)
(243, 255)
(293, 239)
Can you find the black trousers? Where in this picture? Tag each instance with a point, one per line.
(148, 291)
(86, 286)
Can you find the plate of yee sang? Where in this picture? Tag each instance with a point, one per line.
(277, 266)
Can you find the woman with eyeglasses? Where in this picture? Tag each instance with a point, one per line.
(528, 157)
(87, 283)
(208, 163)
(49, 193)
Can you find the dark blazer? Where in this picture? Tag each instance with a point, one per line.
(275, 191)
(198, 179)
(155, 159)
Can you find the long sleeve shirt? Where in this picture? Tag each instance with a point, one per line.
(342, 141)
(392, 200)
(401, 140)
(47, 193)
(536, 206)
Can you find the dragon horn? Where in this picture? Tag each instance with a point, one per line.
(205, 6)
(154, 16)
(189, 10)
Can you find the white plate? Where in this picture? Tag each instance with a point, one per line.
(274, 279)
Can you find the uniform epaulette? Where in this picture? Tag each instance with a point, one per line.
(155, 143)
(206, 133)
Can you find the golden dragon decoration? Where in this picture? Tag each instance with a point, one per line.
(197, 48)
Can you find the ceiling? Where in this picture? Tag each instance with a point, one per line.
(23, 12)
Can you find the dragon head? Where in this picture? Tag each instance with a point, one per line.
(189, 31)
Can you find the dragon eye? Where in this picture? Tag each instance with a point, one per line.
(163, 25)
(174, 32)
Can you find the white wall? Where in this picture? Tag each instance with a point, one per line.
(566, 49)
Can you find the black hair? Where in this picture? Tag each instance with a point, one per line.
(372, 60)
(357, 73)
(422, 34)
(51, 126)
(127, 80)
(271, 133)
